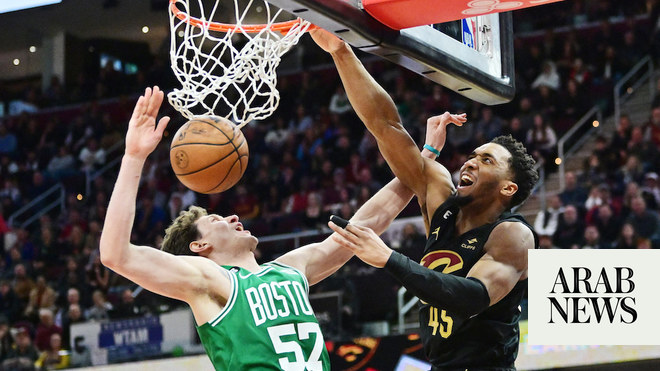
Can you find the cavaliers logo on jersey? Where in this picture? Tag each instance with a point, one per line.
(447, 261)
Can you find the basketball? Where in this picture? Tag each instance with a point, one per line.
(209, 154)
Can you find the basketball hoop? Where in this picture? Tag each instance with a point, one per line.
(219, 77)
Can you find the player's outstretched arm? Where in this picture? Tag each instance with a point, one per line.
(492, 278)
(320, 260)
(151, 268)
(377, 111)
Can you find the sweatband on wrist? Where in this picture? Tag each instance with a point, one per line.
(467, 296)
(433, 150)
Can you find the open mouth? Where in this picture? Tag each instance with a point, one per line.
(239, 227)
(465, 181)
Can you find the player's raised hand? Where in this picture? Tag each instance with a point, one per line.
(143, 133)
(326, 40)
(364, 243)
(436, 128)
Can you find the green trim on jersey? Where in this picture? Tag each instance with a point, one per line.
(267, 323)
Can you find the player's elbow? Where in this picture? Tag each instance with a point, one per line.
(107, 259)
(109, 254)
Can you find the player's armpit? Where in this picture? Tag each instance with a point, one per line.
(505, 261)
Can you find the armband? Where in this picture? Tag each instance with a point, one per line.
(433, 150)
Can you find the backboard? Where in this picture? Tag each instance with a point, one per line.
(472, 56)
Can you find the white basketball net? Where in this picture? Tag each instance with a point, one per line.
(219, 77)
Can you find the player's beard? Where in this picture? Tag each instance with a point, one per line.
(461, 201)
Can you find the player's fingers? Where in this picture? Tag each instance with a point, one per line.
(344, 242)
(153, 103)
(158, 100)
(162, 124)
(139, 108)
(357, 230)
(344, 232)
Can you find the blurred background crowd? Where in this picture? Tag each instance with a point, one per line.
(312, 158)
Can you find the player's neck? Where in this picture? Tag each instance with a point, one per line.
(245, 260)
(475, 215)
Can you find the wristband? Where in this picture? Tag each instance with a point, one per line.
(433, 150)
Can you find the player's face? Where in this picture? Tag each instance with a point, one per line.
(224, 231)
(481, 175)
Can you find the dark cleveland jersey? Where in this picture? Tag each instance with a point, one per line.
(489, 339)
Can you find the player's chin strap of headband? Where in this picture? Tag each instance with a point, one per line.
(466, 296)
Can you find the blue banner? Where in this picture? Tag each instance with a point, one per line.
(132, 338)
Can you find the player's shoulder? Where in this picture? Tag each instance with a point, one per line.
(513, 235)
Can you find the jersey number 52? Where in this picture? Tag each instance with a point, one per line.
(303, 332)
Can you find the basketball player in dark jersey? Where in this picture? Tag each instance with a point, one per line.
(474, 271)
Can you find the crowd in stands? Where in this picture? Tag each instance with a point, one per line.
(313, 158)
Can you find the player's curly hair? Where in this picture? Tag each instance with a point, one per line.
(182, 232)
(522, 167)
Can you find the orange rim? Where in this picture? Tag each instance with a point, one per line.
(282, 27)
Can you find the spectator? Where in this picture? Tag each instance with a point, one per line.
(412, 242)
(609, 159)
(609, 69)
(10, 304)
(91, 155)
(545, 223)
(339, 103)
(98, 276)
(100, 308)
(644, 150)
(53, 358)
(541, 139)
(592, 238)
(277, 135)
(314, 217)
(488, 126)
(573, 193)
(608, 224)
(628, 238)
(62, 165)
(42, 296)
(72, 297)
(5, 338)
(23, 354)
(302, 121)
(22, 284)
(571, 106)
(652, 127)
(39, 186)
(570, 229)
(245, 204)
(127, 307)
(73, 315)
(72, 277)
(45, 329)
(8, 141)
(516, 130)
(646, 222)
(594, 199)
(651, 190)
(593, 175)
(548, 77)
(621, 137)
(149, 219)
